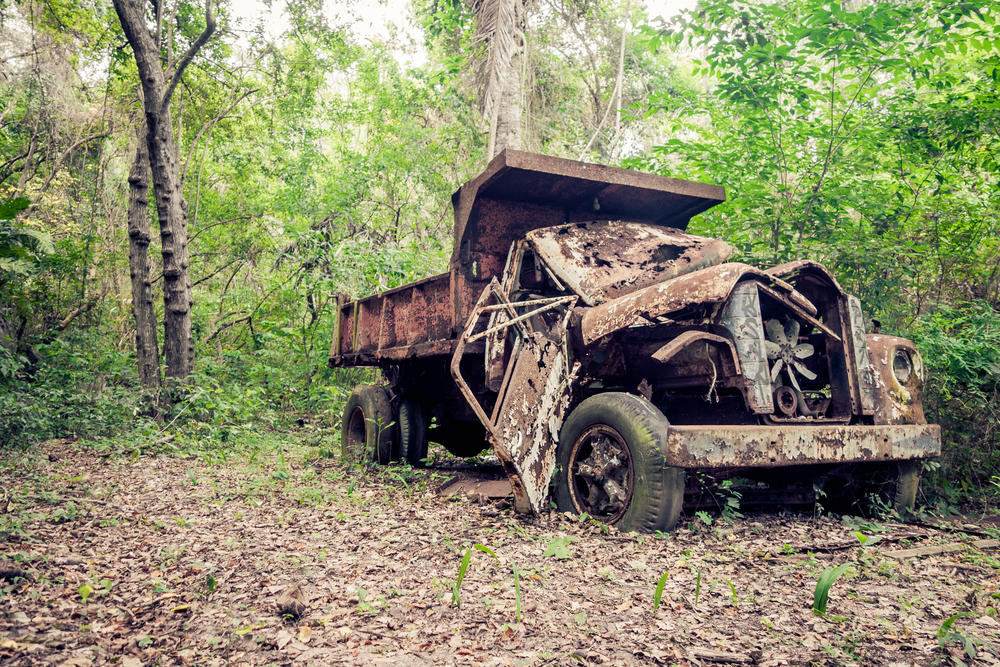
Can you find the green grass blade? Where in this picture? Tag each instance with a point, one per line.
(658, 593)
(485, 550)
(697, 587)
(517, 591)
(463, 567)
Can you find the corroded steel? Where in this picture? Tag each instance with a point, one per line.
(723, 346)
(531, 415)
(519, 192)
(412, 321)
(774, 446)
(533, 400)
(603, 260)
(864, 372)
(705, 287)
(806, 267)
(896, 402)
(741, 317)
(665, 353)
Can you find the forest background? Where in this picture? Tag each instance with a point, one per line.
(314, 162)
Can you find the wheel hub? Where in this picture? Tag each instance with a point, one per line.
(601, 473)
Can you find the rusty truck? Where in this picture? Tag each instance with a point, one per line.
(605, 353)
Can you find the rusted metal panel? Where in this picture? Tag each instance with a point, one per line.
(864, 372)
(603, 260)
(774, 446)
(531, 415)
(665, 353)
(705, 287)
(805, 267)
(741, 317)
(403, 322)
(533, 399)
(896, 402)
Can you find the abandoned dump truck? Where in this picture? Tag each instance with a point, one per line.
(604, 352)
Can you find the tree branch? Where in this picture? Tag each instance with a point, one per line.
(187, 57)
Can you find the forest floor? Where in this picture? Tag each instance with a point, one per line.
(134, 559)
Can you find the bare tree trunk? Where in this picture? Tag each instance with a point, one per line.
(178, 344)
(508, 116)
(147, 351)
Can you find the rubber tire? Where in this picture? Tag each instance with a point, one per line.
(366, 432)
(658, 490)
(412, 437)
(894, 484)
(905, 486)
(462, 439)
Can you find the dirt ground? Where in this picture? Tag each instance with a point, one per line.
(139, 560)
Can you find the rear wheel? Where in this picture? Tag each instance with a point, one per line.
(412, 432)
(367, 431)
(611, 464)
(870, 489)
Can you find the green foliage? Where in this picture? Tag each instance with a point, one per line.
(854, 136)
(78, 387)
(960, 346)
(21, 247)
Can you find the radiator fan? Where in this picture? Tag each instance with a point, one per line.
(783, 350)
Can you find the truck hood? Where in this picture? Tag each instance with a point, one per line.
(601, 261)
(707, 286)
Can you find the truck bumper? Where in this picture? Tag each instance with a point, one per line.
(774, 446)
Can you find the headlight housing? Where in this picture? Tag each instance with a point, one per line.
(902, 366)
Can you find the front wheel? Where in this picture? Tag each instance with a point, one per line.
(611, 464)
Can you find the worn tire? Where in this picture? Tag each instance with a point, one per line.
(868, 489)
(412, 422)
(367, 433)
(460, 438)
(653, 491)
(905, 485)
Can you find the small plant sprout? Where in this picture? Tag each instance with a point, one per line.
(697, 588)
(658, 593)
(85, 590)
(823, 585)
(867, 540)
(732, 589)
(948, 632)
(559, 546)
(456, 587)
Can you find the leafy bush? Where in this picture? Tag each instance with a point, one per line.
(77, 387)
(960, 345)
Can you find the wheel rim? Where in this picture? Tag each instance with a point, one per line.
(356, 432)
(601, 473)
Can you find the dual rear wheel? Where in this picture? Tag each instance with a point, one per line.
(373, 431)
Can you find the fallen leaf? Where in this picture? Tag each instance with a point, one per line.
(305, 634)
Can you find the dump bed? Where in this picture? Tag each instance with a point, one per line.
(517, 193)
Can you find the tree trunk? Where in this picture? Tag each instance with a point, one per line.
(147, 352)
(178, 344)
(507, 128)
